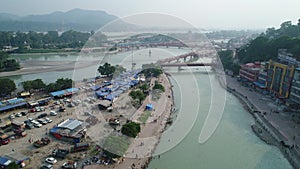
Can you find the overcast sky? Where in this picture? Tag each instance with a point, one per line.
(221, 14)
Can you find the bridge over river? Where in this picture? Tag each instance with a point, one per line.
(169, 62)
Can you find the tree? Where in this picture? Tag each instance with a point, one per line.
(60, 84)
(13, 165)
(8, 64)
(106, 69)
(7, 86)
(131, 129)
(137, 94)
(33, 84)
(151, 70)
(144, 87)
(51, 87)
(286, 24)
(158, 86)
(64, 83)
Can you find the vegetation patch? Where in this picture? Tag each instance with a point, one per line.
(144, 116)
(109, 70)
(158, 86)
(131, 129)
(151, 70)
(7, 86)
(8, 64)
(137, 95)
(116, 144)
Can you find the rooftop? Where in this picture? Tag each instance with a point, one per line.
(4, 161)
(70, 124)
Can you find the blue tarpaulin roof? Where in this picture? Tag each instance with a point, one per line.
(110, 97)
(99, 93)
(12, 106)
(13, 101)
(149, 106)
(54, 129)
(72, 90)
(58, 93)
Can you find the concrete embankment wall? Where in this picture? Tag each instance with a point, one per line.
(266, 131)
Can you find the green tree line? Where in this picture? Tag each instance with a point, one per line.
(8, 86)
(266, 46)
(8, 64)
(48, 40)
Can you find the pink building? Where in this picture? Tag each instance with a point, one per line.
(250, 71)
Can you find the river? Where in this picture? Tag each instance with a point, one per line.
(232, 146)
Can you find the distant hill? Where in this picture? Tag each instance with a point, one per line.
(76, 19)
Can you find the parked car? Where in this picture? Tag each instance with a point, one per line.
(24, 113)
(42, 115)
(51, 160)
(42, 121)
(36, 124)
(11, 116)
(46, 166)
(48, 120)
(60, 153)
(29, 120)
(62, 109)
(69, 164)
(71, 105)
(53, 113)
(18, 115)
(38, 109)
(29, 126)
(32, 110)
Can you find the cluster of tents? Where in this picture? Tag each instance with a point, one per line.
(111, 90)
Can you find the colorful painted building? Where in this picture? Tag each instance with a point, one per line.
(250, 71)
(279, 79)
(295, 88)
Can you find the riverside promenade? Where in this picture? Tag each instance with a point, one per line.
(283, 124)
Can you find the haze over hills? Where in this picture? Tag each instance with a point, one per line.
(76, 19)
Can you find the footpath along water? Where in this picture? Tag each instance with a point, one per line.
(233, 145)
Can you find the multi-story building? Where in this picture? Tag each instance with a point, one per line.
(250, 71)
(261, 82)
(279, 79)
(295, 88)
(287, 58)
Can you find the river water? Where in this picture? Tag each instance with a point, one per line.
(232, 146)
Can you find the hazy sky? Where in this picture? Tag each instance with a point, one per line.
(223, 14)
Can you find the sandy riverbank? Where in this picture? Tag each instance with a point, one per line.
(32, 67)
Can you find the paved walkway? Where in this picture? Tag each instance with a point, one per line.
(287, 123)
